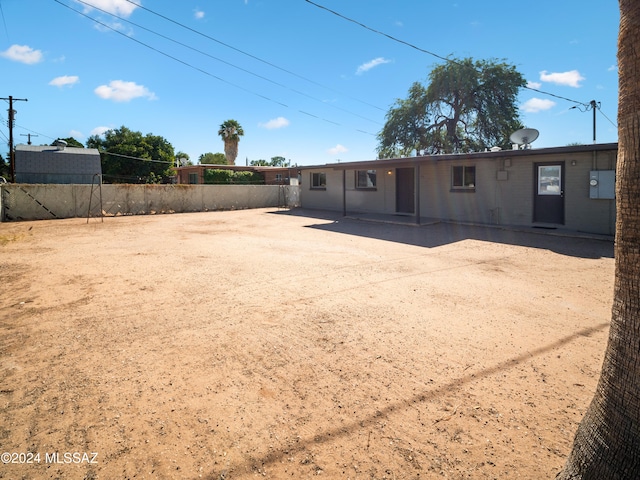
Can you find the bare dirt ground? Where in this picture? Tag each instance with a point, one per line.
(264, 344)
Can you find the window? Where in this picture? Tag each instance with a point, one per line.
(319, 180)
(366, 179)
(549, 180)
(278, 177)
(193, 178)
(463, 178)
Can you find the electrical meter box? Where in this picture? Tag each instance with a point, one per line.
(602, 184)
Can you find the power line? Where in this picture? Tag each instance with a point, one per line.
(228, 63)
(250, 55)
(609, 120)
(136, 158)
(189, 64)
(411, 45)
(37, 134)
(4, 22)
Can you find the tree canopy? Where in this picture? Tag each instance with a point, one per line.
(212, 159)
(275, 162)
(183, 159)
(5, 170)
(130, 157)
(467, 106)
(71, 142)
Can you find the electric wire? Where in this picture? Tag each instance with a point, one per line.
(34, 132)
(609, 120)
(136, 158)
(411, 45)
(192, 66)
(227, 63)
(4, 22)
(251, 55)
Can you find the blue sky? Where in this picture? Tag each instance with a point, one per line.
(303, 82)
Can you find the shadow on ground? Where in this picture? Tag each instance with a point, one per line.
(329, 435)
(438, 234)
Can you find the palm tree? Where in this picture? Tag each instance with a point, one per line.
(230, 132)
(607, 443)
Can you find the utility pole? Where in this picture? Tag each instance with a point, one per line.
(12, 155)
(28, 135)
(594, 105)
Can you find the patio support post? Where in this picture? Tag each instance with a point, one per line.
(417, 193)
(344, 193)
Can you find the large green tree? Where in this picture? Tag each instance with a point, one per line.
(607, 443)
(212, 159)
(71, 142)
(5, 170)
(230, 132)
(275, 162)
(467, 106)
(130, 157)
(182, 159)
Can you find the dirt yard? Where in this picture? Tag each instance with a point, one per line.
(265, 344)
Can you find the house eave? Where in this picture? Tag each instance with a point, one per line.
(412, 161)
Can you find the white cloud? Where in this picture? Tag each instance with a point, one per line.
(199, 14)
(100, 130)
(535, 85)
(337, 149)
(65, 80)
(535, 105)
(22, 54)
(365, 67)
(613, 68)
(571, 78)
(121, 8)
(275, 123)
(76, 134)
(121, 91)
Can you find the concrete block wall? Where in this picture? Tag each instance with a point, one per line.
(42, 202)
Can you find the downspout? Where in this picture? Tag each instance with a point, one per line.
(417, 193)
(344, 193)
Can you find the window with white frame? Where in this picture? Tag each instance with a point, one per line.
(463, 178)
(366, 179)
(319, 180)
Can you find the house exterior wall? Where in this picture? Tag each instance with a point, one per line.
(329, 198)
(53, 165)
(269, 174)
(503, 195)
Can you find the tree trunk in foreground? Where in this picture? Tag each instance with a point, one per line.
(607, 443)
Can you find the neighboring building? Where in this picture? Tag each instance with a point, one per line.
(565, 187)
(57, 164)
(194, 174)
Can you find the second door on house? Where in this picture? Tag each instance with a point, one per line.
(548, 202)
(405, 190)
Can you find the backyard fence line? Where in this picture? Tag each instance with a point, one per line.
(50, 201)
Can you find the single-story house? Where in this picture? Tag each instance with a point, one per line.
(194, 174)
(570, 187)
(56, 164)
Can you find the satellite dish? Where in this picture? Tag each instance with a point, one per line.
(524, 136)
